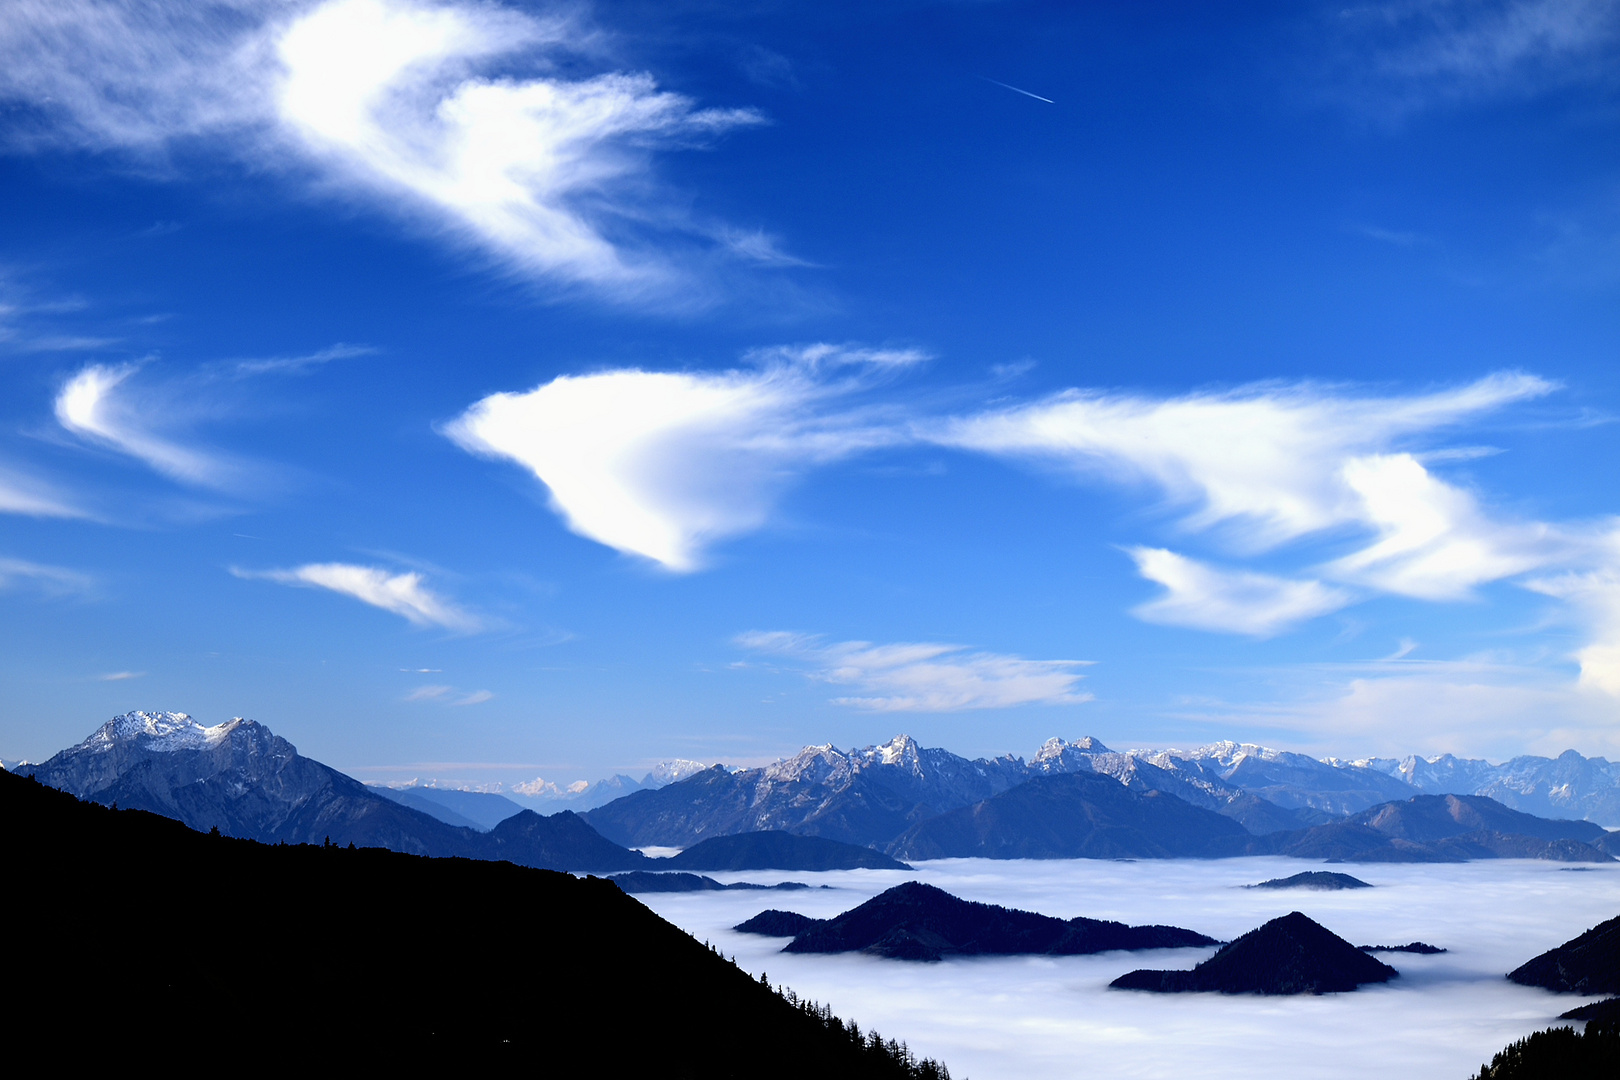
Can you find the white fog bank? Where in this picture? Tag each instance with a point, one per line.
(1034, 1017)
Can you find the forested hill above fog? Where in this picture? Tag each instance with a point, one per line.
(146, 939)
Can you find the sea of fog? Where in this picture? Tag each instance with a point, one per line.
(1016, 1018)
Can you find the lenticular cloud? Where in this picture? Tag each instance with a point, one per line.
(661, 464)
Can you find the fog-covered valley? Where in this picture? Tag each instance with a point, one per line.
(1006, 1017)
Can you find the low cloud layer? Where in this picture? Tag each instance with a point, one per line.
(923, 676)
(410, 106)
(1026, 1016)
(403, 594)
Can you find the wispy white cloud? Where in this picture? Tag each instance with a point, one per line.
(31, 497)
(1261, 467)
(926, 677)
(411, 104)
(449, 695)
(1264, 461)
(1411, 54)
(43, 578)
(1434, 542)
(1204, 597)
(92, 406)
(1495, 705)
(293, 365)
(120, 676)
(662, 464)
(403, 594)
(1596, 595)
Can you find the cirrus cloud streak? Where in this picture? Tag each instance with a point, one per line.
(925, 676)
(403, 594)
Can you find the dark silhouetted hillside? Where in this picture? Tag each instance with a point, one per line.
(920, 922)
(777, 850)
(148, 942)
(1290, 955)
(562, 841)
(1589, 964)
(1558, 1053)
(1079, 815)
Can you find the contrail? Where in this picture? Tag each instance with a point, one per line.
(1015, 90)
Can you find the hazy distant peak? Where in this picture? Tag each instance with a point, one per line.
(1227, 753)
(672, 771)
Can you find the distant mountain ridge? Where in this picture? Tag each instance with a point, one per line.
(871, 796)
(244, 780)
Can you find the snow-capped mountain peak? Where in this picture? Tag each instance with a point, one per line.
(160, 732)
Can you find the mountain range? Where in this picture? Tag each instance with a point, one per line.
(824, 808)
(907, 799)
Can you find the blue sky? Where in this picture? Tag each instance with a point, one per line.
(489, 391)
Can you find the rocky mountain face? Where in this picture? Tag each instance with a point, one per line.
(862, 797)
(1074, 816)
(240, 778)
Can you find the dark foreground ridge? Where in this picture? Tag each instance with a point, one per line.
(640, 881)
(1290, 955)
(919, 922)
(325, 957)
(1313, 879)
(1558, 1052)
(1589, 964)
(777, 850)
